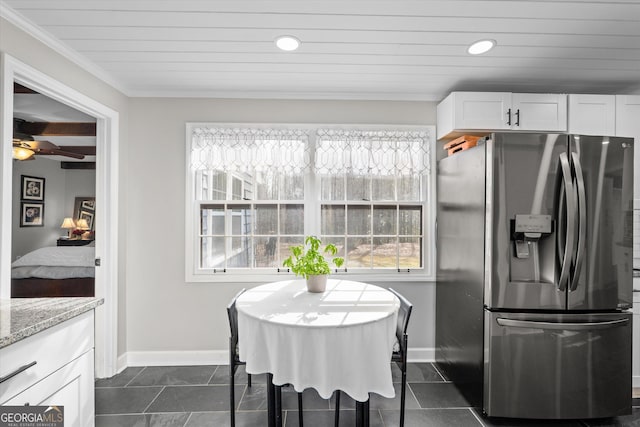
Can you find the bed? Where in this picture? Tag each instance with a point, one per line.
(58, 271)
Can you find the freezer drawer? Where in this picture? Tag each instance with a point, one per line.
(557, 366)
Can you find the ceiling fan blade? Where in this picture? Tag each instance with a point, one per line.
(42, 145)
(57, 152)
(49, 148)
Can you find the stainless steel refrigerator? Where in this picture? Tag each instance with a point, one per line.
(534, 275)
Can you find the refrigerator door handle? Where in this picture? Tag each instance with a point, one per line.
(577, 326)
(565, 252)
(582, 222)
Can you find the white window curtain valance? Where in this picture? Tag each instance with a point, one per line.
(360, 152)
(250, 149)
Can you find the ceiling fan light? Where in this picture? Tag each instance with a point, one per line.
(22, 153)
(481, 46)
(287, 43)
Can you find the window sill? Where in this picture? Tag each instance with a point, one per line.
(277, 277)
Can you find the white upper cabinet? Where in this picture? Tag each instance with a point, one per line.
(628, 124)
(539, 112)
(473, 112)
(628, 116)
(592, 114)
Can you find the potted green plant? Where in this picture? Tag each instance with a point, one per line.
(308, 261)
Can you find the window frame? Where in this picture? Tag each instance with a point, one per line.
(312, 213)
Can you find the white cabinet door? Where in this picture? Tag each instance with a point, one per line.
(592, 115)
(50, 349)
(539, 112)
(628, 124)
(71, 386)
(628, 116)
(482, 110)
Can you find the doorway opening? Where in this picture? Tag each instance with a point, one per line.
(106, 196)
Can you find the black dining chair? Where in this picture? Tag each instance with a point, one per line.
(399, 355)
(234, 361)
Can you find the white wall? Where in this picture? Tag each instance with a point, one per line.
(28, 50)
(62, 186)
(163, 312)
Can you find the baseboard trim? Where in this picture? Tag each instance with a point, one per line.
(121, 363)
(177, 358)
(219, 357)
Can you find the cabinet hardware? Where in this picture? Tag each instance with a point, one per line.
(17, 371)
(509, 116)
(518, 117)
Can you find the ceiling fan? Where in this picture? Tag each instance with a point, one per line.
(25, 147)
(26, 150)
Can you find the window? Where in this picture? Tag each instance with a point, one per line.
(254, 192)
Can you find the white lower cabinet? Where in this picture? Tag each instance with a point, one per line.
(71, 387)
(63, 373)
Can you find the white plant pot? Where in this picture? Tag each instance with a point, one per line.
(317, 283)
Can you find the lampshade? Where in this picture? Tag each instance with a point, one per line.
(68, 223)
(82, 224)
(22, 153)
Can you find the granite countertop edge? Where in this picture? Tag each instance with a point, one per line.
(56, 319)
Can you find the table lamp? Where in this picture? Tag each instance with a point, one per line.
(82, 224)
(69, 225)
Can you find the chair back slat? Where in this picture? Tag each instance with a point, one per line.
(403, 317)
(232, 313)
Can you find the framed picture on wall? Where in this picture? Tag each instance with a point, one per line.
(85, 207)
(31, 214)
(88, 204)
(32, 188)
(88, 216)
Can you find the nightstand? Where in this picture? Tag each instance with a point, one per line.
(73, 242)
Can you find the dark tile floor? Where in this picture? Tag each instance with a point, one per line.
(193, 396)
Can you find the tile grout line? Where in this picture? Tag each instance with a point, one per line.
(433, 365)
(244, 392)
(187, 420)
(153, 400)
(384, 424)
(477, 417)
(213, 374)
(413, 394)
(135, 376)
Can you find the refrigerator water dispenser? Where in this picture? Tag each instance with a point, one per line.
(527, 229)
(531, 245)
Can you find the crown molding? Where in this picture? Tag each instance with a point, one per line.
(35, 31)
(281, 95)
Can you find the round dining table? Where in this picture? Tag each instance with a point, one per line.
(340, 339)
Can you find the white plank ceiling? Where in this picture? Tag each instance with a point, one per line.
(351, 49)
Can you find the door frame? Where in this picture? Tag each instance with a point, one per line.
(107, 141)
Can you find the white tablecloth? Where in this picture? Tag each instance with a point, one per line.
(341, 339)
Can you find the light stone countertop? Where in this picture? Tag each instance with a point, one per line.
(23, 317)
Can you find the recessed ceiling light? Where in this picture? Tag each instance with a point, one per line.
(287, 43)
(481, 46)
